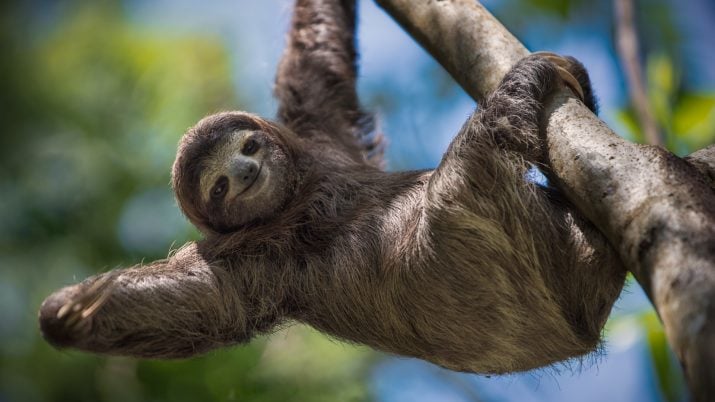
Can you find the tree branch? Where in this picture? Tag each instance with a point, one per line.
(704, 161)
(627, 45)
(656, 209)
(464, 37)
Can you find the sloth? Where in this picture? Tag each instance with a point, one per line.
(469, 266)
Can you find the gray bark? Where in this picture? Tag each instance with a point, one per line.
(704, 161)
(656, 210)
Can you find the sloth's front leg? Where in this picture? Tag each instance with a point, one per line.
(501, 141)
(512, 114)
(172, 308)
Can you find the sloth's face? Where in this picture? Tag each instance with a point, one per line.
(243, 179)
(233, 169)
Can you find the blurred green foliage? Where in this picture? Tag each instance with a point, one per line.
(666, 371)
(685, 114)
(686, 117)
(665, 364)
(92, 110)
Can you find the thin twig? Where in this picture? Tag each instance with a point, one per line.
(627, 45)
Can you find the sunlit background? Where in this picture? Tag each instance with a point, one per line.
(94, 97)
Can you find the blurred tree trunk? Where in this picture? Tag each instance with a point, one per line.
(656, 210)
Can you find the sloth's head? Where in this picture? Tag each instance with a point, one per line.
(235, 168)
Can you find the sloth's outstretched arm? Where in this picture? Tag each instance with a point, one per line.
(315, 83)
(172, 308)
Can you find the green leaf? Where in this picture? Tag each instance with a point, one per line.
(561, 8)
(694, 119)
(628, 119)
(661, 88)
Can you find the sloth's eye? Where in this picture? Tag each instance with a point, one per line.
(220, 187)
(250, 147)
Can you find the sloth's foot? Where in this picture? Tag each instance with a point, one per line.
(565, 65)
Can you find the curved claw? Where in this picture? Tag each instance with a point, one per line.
(65, 316)
(562, 65)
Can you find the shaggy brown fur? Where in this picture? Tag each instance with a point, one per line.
(468, 266)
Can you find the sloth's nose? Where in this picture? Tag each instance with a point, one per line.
(244, 170)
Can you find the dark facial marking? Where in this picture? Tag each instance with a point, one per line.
(250, 147)
(220, 188)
